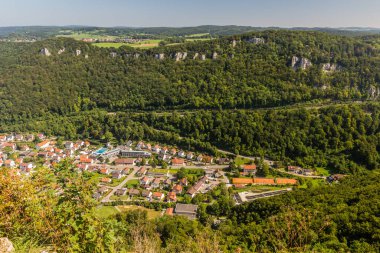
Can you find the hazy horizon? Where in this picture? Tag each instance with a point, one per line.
(180, 13)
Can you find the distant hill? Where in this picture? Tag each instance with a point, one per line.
(43, 32)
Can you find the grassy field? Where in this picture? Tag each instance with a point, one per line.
(241, 161)
(171, 171)
(197, 35)
(152, 214)
(132, 183)
(197, 39)
(322, 171)
(144, 44)
(110, 44)
(106, 211)
(80, 35)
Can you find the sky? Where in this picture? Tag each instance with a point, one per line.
(179, 13)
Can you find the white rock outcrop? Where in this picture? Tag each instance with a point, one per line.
(374, 92)
(330, 67)
(61, 51)
(45, 51)
(160, 56)
(6, 245)
(300, 63)
(256, 40)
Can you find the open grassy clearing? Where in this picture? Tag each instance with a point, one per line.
(152, 214)
(106, 211)
(85, 35)
(196, 35)
(110, 44)
(132, 183)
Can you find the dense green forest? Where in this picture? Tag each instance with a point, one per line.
(344, 139)
(333, 218)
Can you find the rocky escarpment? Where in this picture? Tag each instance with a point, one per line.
(374, 92)
(256, 40)
(45, 51)
(330, 67)
(300, 63)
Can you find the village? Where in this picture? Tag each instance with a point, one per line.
(143, 172)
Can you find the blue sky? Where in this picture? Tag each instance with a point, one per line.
(137, 13)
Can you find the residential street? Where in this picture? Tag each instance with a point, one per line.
(114, 189)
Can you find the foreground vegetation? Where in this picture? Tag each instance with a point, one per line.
(330, 218)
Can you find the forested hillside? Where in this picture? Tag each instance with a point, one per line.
(58, 94)
(248, 75)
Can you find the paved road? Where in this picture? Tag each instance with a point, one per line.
(270, 162)
(114, 189)
(300, 175)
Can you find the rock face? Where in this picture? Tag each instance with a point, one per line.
(45, 51)
(180, 56)
(160, 56)
(113, 54)
(300, 63)
(374, 92)
(330, 67)
(78, 52)
(203, 57)
(214, 55)
(61, 51)
(196, 55)
(234, 43)
(136, 56)
(6, 245)
(256, 41)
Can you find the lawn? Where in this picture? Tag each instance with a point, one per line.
(152, 214)
(106, 211)
(116, 182)
(85, 35)
(241, 161)
(132, 183)
(171, 171)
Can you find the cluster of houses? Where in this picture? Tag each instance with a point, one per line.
(300, 171)
(159, 187)
(24, 152)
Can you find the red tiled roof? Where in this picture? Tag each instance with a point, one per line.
(263, 181)
(249, 167)
(178, 161)
(286, 181)
(242, 181)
